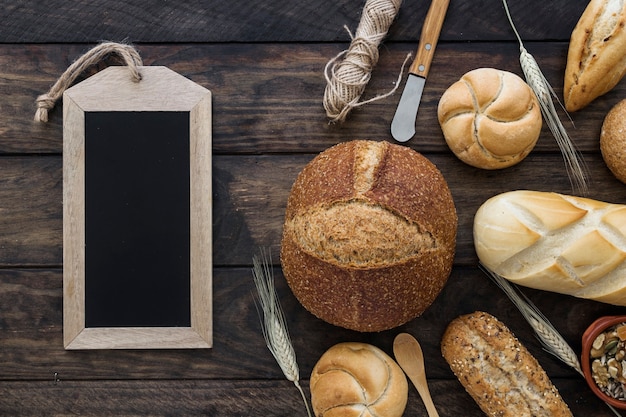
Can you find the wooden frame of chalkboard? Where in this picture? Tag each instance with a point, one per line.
(137, 201)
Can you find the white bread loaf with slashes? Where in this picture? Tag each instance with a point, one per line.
(596, 59)
(554, 242)
(357, 379)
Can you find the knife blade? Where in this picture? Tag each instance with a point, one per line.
(403, 123)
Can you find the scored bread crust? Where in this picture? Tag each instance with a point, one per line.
(498, 372)
(596, 61)
(347, 270)
(357, 379)
(555, 242)
(490, 118)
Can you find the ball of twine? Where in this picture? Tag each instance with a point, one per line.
(348, 73)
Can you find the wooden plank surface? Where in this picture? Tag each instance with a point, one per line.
(218, 398)
(32, 21)
(32, 355)
(263, 62)
(32, 318)
(247, 185)
(267, 98)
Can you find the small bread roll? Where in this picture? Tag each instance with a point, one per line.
(490, 118)
(613, 140)
(357, 379)
(596, 61)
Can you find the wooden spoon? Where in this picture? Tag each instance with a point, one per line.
(408, 353)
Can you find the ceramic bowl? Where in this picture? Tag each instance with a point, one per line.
(589, 336)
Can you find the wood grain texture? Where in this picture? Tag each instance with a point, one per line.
(31, 204)
(263, 62)
(32, 355)
(32, 344)
(267, 98)
(221, 398)
(246, 185)
(431, 31)
(148, 21)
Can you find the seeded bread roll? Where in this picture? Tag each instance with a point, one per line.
(369, 235)
(490, 118)
(357, 379)
(596, 61)
(555, 242)
(498, 372)
(613, 140)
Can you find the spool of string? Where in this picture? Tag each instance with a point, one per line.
(348, 73)
(127, 53)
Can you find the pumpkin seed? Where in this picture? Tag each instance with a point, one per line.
(607, 357)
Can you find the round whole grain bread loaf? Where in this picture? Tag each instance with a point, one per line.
(490, 118)
(357, 379)
(369, 235)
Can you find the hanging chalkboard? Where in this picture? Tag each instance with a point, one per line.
(137, 212)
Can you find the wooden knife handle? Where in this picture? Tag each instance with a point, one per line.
(428, 39)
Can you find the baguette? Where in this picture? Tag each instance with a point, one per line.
(498, 372)
(596, 59)
(554, 242)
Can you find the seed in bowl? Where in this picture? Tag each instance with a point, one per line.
(608, 361)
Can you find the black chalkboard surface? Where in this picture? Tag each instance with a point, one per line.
(137, 219)
(137, 207)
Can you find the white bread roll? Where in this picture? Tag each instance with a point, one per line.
(490, 118)
(596, 59)
(498, 372)
(357, 379)
(554, 242)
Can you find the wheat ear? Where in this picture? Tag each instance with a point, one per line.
(273, 323)
(576, 169)
(550, 338)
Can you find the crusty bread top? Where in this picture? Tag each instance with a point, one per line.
(490, 118)
(596, 61)
(357, 379)
(369, 204)
(369, 235)
(555, 242)
(613, 140)
(500, 374)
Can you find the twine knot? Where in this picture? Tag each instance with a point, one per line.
(127, 53)
(44, 103)
(348, 73)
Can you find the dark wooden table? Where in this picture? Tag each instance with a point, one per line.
(263, 61)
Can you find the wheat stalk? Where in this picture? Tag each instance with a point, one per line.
(550, 338)
(274, 325)
(576, 169)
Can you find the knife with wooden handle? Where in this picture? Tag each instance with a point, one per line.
(403, 123)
